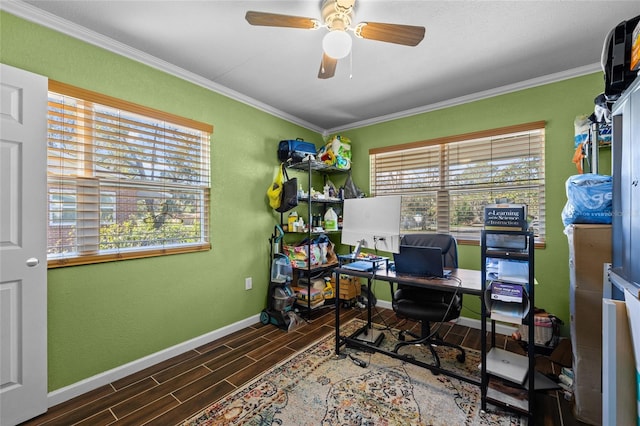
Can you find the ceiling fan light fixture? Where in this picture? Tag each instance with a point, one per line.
(337, 44)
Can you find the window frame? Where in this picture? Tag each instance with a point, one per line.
(437, 180)
(87, 178)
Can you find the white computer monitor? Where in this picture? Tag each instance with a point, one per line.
(372, 223)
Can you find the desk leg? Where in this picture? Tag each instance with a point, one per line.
(369, 303)
(484, 380)
(337, 301)
(368, 334)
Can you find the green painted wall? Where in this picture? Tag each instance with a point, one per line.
(557, 104)
(103, 316)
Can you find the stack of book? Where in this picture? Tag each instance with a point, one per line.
(565, 380)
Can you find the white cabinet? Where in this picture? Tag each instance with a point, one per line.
(626, 188)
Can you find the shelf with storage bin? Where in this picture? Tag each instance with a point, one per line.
(313, 215)
(507, 379)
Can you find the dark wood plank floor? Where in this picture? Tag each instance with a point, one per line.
(170, 392)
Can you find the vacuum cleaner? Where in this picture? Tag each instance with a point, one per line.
(281, 297)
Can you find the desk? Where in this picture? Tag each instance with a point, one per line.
(465, 281)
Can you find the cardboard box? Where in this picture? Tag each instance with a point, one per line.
(585, 310)
(350, 287)
(620, 403)
(587, 384)
(589, 249)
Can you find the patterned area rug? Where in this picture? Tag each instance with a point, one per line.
(315, 387)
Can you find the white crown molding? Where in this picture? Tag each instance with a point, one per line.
(33, 14)
(38, 16)
(522, 85)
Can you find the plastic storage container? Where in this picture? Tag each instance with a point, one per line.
(330, 220)
(281, 271)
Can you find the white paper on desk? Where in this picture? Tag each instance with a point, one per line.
(633, 312)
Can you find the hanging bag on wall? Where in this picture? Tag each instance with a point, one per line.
(274, 192)
(289, 198)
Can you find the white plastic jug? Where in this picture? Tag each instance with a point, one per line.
(330, 220)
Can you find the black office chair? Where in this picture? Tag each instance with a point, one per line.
(426, 305)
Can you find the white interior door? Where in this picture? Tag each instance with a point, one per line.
(23, 250)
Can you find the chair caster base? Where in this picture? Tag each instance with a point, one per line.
(460, 358)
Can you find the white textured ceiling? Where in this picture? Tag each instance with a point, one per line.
(471, 48)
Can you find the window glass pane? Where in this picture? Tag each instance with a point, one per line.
(419, 213)
(107, 208)
(121, 181)
(153, 217)
(446, 185)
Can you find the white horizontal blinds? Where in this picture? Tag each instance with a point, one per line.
(447, 182)
(500, 168)
(123, 182)
(406, 171)
(416, 174)
(88, 215)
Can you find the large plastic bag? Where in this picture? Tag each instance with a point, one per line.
(351, 190)
(589, 199)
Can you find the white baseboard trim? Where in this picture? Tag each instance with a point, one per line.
(477, 324)
(76, 389)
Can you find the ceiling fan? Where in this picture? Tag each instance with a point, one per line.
(336, 44)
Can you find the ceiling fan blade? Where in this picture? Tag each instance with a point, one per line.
(409, 35)
(275, 20)
(327, 66)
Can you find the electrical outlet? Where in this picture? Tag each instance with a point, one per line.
(248, 283)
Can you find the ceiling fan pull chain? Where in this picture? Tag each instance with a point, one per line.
(351, 64)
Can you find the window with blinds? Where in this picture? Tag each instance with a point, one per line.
(124, 181)
(447, 182)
